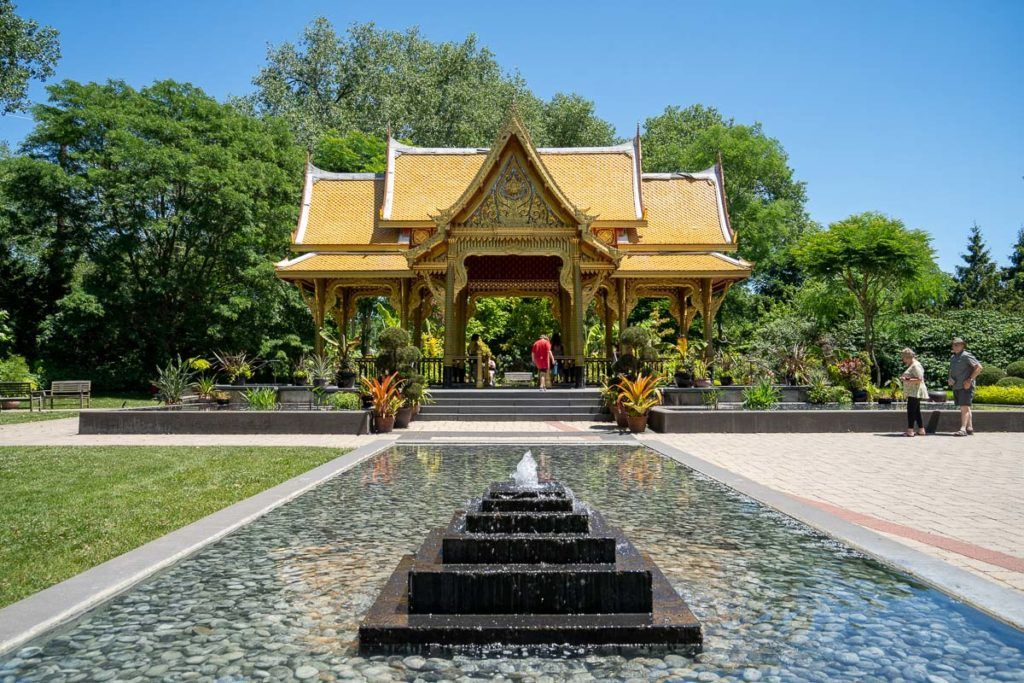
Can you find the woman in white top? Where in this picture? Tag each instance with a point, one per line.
(915, 390)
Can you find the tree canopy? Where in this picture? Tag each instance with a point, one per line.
(28, 51)
(148, 222)
(977, 281)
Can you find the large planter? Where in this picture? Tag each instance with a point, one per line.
(859, 395)
(702, 383)
(383, 424)
(320, 382)
(683, 380)
(937, 396)
(725, 381)
(347, 380)
(620, 416)
(404, 417)
(637, 423)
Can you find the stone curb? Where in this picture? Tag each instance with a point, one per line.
(997, 601)
(68, 599)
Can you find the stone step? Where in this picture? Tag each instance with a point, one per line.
(561, 416)
(523, 410)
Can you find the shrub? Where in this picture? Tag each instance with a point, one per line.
(1003, 395)
(1011, 382)
(261, 399)
(173, 380)
(345, 400)
(989, 375)
(762, 396)
(1015, 369)
(15, 369)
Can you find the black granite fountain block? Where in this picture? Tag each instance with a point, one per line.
(388, 626)
(549, 497)
(527, 549)
(527, 523)
(528, 589)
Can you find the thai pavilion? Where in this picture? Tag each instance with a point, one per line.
(443, 227)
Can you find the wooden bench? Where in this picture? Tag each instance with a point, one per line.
(69, 389)
(514, 377)
(19, 391)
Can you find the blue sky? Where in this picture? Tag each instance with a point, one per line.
(915, 109)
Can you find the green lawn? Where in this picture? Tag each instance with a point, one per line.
(66, 509)
(66, 407)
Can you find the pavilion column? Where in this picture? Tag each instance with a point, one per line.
(319, 312)
(403, 296)
(450, 338)
(707, 314)
(623, 313)
(579, 342)
(684, 311)
(417, 321)
(609, 338)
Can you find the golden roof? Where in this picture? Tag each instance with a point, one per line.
(343, 210)
(682, 264)
(682, 209)
(344, 265)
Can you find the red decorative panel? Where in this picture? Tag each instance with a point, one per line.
(514, 268)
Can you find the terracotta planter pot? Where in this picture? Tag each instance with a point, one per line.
(383, 423)
(415, 409)
(404, 417)
(620, 417)
(637, 423)
(702, 382)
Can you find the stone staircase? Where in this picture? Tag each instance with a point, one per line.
(510, 405)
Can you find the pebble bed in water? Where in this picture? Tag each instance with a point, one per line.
(281, 599)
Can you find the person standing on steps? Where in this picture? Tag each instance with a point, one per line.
(542, 359)
(915, 390)
(556, 352)
(963, 368)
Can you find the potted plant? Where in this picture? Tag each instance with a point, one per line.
(173, 380)
(320, 367)
(300, 376)
(385, 395)
(237, 366)
(610, 395)
(222, 398)
(726, 363)
(701, 374)
(795, 364)
(637, 397)
(204, 387)
(854, 374)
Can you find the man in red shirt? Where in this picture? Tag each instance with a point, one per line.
(543, 359)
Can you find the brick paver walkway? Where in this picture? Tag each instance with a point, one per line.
(958, 499)
(961, 500)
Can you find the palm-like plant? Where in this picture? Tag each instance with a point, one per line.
(640, 395)
(205, 386)
(385, 394)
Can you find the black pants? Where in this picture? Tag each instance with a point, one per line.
(914, 413)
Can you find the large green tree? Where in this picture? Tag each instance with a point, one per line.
(977, 281)
(163, 211)
(432, 94)
(876, 260)
(766, 202)
(1013, 274)
(27, 51)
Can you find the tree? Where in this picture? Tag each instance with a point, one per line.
(977, 281)
(174, 206)
(27, 51)
(1013, 275)
(766, 204)
(875, 258)
(353, 152)
(570, 121)
(450, 94)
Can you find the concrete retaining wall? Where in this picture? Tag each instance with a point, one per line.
(667, 420)
(694, 396)
(151, 421)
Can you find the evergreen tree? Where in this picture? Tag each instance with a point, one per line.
(1013, 275)
(977, 281)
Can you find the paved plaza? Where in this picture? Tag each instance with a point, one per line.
(961, 500)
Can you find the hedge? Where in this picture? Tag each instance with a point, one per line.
(1001, 395)
(989, 375)
(1010, 382)
(1015, 369)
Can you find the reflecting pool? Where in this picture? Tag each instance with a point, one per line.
(281, 599)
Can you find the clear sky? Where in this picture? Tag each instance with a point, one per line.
(915, 109)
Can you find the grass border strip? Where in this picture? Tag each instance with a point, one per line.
(1002, 603)
(62, 602)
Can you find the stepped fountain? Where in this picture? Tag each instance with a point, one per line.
(528, 564)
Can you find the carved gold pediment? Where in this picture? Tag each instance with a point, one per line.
(513, 200)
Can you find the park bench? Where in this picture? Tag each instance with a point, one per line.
(82, 389)
(514, 377)
(19, 391)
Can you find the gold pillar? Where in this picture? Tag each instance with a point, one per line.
(578, 321)
(319, 311)
(707, 314)
(417, 320)
(403, 297)
(609, 339)
(450, 337)
(623, 313)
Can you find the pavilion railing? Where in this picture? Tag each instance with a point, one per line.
(431, 368)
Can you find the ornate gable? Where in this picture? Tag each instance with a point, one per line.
(513, 200)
